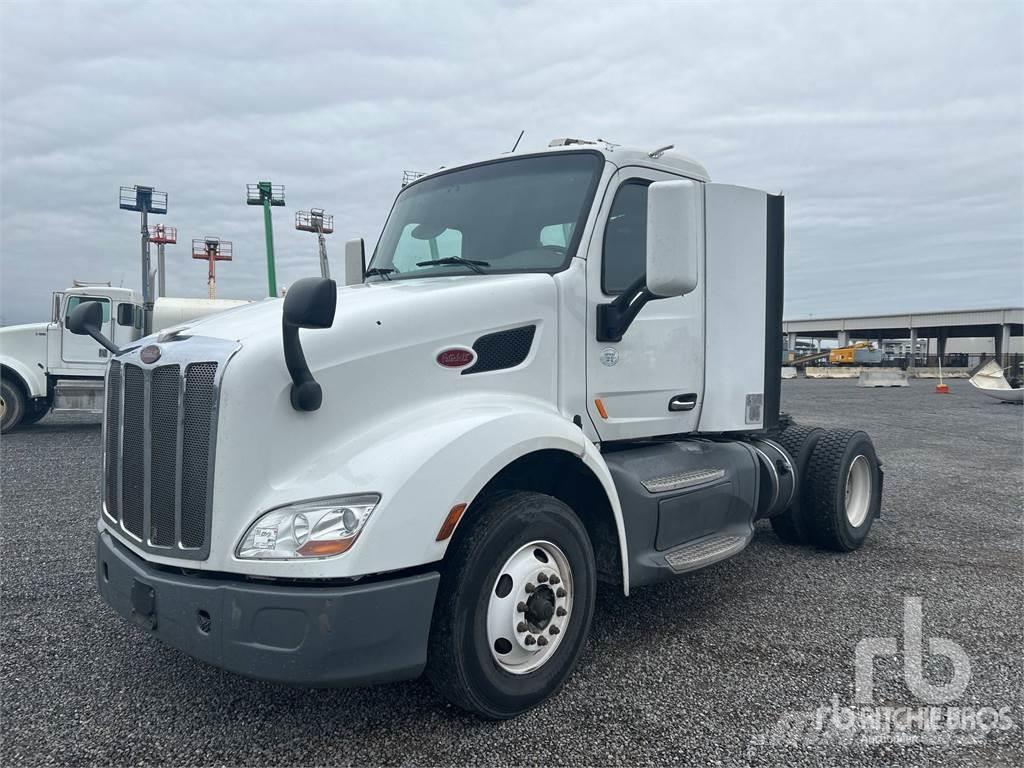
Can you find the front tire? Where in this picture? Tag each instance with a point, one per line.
(12, 405)
(514, 605)
(846, 487)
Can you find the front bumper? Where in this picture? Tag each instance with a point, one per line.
(316, 636)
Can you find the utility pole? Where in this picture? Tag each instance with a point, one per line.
(266, 194)
(315, 220)
(145, 200)
(162, 235)
(211, 250)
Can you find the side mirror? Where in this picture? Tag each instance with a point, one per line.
(86, 320)
(126, 314)
(309, 303)
(355, 261)
(673, 237)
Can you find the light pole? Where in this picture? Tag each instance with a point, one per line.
(211, 250)
(315, 220)
(162, 235)
(266, 194)
(145, 200)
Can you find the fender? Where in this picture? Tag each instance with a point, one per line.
(34, 380)
(422, 462)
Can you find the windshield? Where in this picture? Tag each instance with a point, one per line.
(521, 215)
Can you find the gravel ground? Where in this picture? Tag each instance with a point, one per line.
(698, 670)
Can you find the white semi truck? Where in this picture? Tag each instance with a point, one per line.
(559, 369)
(44, 367)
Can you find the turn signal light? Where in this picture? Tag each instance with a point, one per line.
(448, 526)
(600, 408)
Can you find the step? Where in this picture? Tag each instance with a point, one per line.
(711, 549)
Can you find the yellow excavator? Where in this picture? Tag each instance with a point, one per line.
(853, 354)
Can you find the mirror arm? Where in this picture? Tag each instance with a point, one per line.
(615, 317)
(103, 341)
(306, 394)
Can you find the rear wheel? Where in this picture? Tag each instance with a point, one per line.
(845, 482)
(794, 525)
(514, 605)
(12, 405)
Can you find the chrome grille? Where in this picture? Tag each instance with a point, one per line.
(159, 435)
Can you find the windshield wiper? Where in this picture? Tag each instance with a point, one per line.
(456, 260)
(384, 272)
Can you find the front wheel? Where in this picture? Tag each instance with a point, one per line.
(12, 405)
(514, 605)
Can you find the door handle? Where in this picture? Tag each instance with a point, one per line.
(685, 402)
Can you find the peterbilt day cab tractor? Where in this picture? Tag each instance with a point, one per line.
(559, 369)
(44, 367)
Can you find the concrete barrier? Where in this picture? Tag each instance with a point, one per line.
(947, 373)
(788, 372)
(832, 372)
(883, 377)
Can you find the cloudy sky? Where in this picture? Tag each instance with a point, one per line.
(894, 129)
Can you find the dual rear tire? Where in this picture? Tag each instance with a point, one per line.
(840, 490)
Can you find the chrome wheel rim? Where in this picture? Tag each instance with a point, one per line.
(529, 607)
(858, 491)
(3, 407)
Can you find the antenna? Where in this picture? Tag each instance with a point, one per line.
(161, 235)
(266, 194)
(212, 250)
(315, 220)
(408, 177)
(145, 200)
(518, 140)
(660, 151)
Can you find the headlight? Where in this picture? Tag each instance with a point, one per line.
(320, 528)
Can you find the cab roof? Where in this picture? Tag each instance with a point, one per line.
(663, 158)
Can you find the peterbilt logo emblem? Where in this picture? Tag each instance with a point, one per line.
(150, 354)
(456, 357)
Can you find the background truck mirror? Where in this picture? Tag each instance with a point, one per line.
(355, 261)
(126, 314)
(673, 237)
(86, 319)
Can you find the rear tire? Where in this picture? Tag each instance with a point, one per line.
(845, 482)
(480, 657)
(12, 405)
(794, 526)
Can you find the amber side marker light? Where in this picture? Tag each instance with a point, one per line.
(600, 408)
(448, 526)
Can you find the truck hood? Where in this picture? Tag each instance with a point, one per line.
(24, 342)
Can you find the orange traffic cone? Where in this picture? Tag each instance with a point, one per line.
(941, 388)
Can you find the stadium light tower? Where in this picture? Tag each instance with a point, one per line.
(211, 250)
(315, 220)
(266, 194)
(145, 200)
(161, 235)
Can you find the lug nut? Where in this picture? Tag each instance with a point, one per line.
(542, 577)
(530, 640)
(521, 627)
(521, 608)
(529, 587)
(560, 611)
(555, 580)
(542, 640)
(560, 592)
(553, 630)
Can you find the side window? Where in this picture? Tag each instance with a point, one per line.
(74, 301)
(418, 243)
(625, 238)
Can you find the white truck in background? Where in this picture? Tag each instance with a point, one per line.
(44, 367)
(559, 368)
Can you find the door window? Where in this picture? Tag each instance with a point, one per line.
(624, 255)
(74, 301)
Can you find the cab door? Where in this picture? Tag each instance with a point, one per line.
(78, 350)
(652, 381)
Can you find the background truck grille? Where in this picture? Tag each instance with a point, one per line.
(157, 486)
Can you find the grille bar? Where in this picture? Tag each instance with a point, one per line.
(133, 457)
(163, 451)
(112, 439)
(195, 457)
